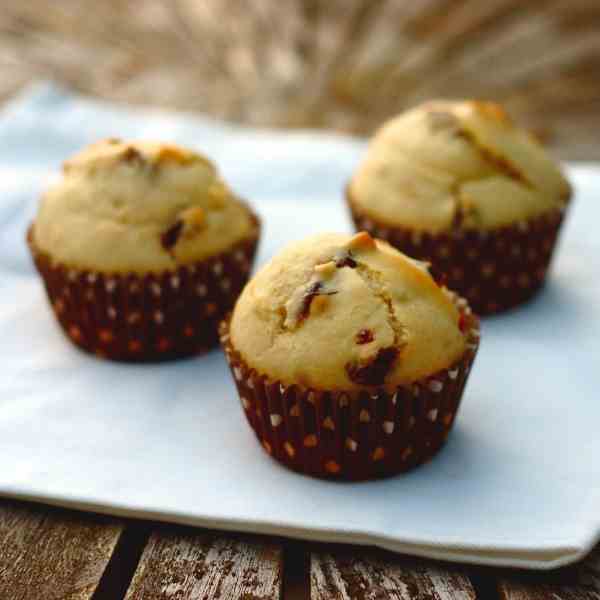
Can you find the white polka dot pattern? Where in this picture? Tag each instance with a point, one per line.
(153, 317)
(494, 270)
(353, 435)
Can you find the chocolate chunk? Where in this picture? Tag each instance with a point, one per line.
(364, 336)
(375, 371)
(169, 238)
(316, 289)
(132, 155)
(345, 260)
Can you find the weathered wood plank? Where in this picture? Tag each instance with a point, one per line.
(357, 573)
(581, 582)
(51, 553)
(192, 565)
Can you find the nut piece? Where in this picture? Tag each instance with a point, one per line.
(194, 217)
(326, 269)
(169, 153)
(491, 110)
(361, 241)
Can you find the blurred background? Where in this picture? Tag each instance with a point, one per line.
(339, 64)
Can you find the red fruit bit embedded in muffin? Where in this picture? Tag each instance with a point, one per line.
(364, 336)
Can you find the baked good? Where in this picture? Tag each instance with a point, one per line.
(459, 185)
(142, 249)
(350, 360)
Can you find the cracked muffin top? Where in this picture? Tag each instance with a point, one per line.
(336, 312)
(138, 207)
(448, 165)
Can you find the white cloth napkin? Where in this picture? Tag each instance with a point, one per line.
(518, 483)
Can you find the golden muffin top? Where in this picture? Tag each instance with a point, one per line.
(336, 312)
(446, 165)
(138, 207)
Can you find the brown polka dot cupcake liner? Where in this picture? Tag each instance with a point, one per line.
(494, 270)
(353, 435)
(154, 317)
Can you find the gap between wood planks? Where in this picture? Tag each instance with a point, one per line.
(296, 570)
(123, 563)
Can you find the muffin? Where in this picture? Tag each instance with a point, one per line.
(142, 249)
(349, 359)
(457, 184)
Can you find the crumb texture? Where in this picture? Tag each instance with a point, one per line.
(138, 207)
(446, 165)
(343, 313)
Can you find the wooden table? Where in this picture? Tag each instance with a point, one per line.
(54, 554)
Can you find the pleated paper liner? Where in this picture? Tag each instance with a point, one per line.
(353, 435)
(494, 270)
(153, 317)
